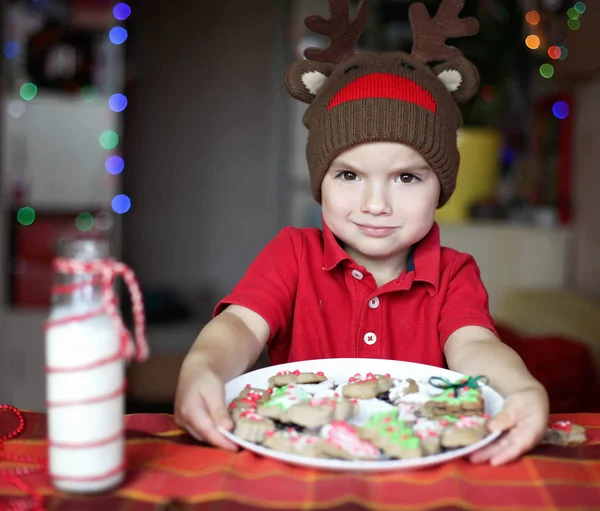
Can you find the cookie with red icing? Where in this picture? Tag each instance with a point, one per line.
(465, 431)
(249, 399)
(282, 399)
(292, 442)
(429, 431)
(464, 398)
(392, 435)
(251, 426)
(368, 386)
(341, 440)
(565, 433)
(284, 378)
(319, 411)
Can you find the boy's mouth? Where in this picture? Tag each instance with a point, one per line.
(385, 85)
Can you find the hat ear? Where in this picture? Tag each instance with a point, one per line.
(460, 76)
(304, 78)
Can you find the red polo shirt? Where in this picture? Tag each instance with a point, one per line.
(319, 303)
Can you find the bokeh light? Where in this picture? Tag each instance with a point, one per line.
(117, 102)
(28, 91)
(117, 35)
(547, 70)
(11, 49)
(532, 42)
(121, 11)
(121, 204)
(84, 222)
(574, 24)
(104, 221)
(487, 93)
(580, 7)
(89, 93)
(114, 165)
(109, 139)
(572, 13)
(560, 109)
(16, 108)
(533, 17)
(554, 52)
(26, 215)
(564, 53)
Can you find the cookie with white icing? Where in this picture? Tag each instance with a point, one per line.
(318, 412)
(251, 426)
(282, 399)
(292, 442)
(340, 440)
(367, 387)
(393, 436)
(284, 378)
(564, 433)
(467, 430)
(401, 389)
(430, 433)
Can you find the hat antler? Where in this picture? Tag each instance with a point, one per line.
(342, 32)
(429, 35)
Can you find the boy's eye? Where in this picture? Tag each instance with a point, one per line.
(407, 178)
(347, 176)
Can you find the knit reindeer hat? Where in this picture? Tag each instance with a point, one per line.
(394, 96)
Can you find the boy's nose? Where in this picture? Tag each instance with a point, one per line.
(375, 201)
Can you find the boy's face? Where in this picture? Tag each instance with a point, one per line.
(379, 199)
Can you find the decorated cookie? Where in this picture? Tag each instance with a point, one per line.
(325, 388)
(393, 436)
(402, 388)
(408, 412)
(318, 412)
(463, 397)
(366, 408)
(292, 442)
(340, 440)
(284, 378)
(367, 387)
(282, 398)
(251, 426)
(465, 431)
(565, 433)
(249, 399)
(430, 433)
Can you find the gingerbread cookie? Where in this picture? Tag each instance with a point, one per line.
(318, 412)
(340, 440)
(430, 433)
(394, 437)
(284, 378)
(367, 387)
(282, 398)
(252, 427)
(465, 431)
(402, 388)
(292, 442)
(564, 433)
(249, 399)
(462, 397)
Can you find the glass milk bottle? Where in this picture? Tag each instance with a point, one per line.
(85, 375)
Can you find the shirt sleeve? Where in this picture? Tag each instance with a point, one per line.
(466, 301)
(270, 283)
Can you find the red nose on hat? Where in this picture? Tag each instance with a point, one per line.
(385, 85)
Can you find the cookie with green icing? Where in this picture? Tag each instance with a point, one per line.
(392, 435)
(467, 430)
(282, 399)
(460, 398)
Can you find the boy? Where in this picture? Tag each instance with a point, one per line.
(375, 282)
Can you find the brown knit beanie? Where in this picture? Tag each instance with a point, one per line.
(393, 97)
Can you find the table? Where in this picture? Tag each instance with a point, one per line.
(168, 470)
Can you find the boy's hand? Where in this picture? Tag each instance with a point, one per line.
(524, 418)
(200, 404)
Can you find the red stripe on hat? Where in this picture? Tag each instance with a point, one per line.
(385, 85)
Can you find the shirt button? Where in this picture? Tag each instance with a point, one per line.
(374, 303)
(357, 275)
(370, 338)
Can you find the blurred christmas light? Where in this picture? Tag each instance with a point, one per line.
(117, 35)
(560, 109)
(117, 102)
(580, 7)
(26, 216)
(572, 13)
(487, 93)
(532, 42)
(554, 52)
(28, 91)
(84, 221)
(121, 204)
(109, 139)
(16, 108)
(11, 49)
(547, 70)
(564, 53)
(533, 17)
(89, 93)
(121, 11)
(114, 165)
(103, 221)
(574, 24)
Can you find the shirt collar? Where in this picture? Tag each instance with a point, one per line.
(423, 260)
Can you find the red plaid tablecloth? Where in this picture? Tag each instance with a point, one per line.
(167, 470)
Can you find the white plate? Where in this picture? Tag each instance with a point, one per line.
(340, 369)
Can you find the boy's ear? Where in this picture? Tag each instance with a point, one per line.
(460, 76)
(304, 78)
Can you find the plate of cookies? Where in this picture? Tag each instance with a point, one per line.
(361, 414)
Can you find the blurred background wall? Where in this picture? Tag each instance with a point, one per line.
(201, 161)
